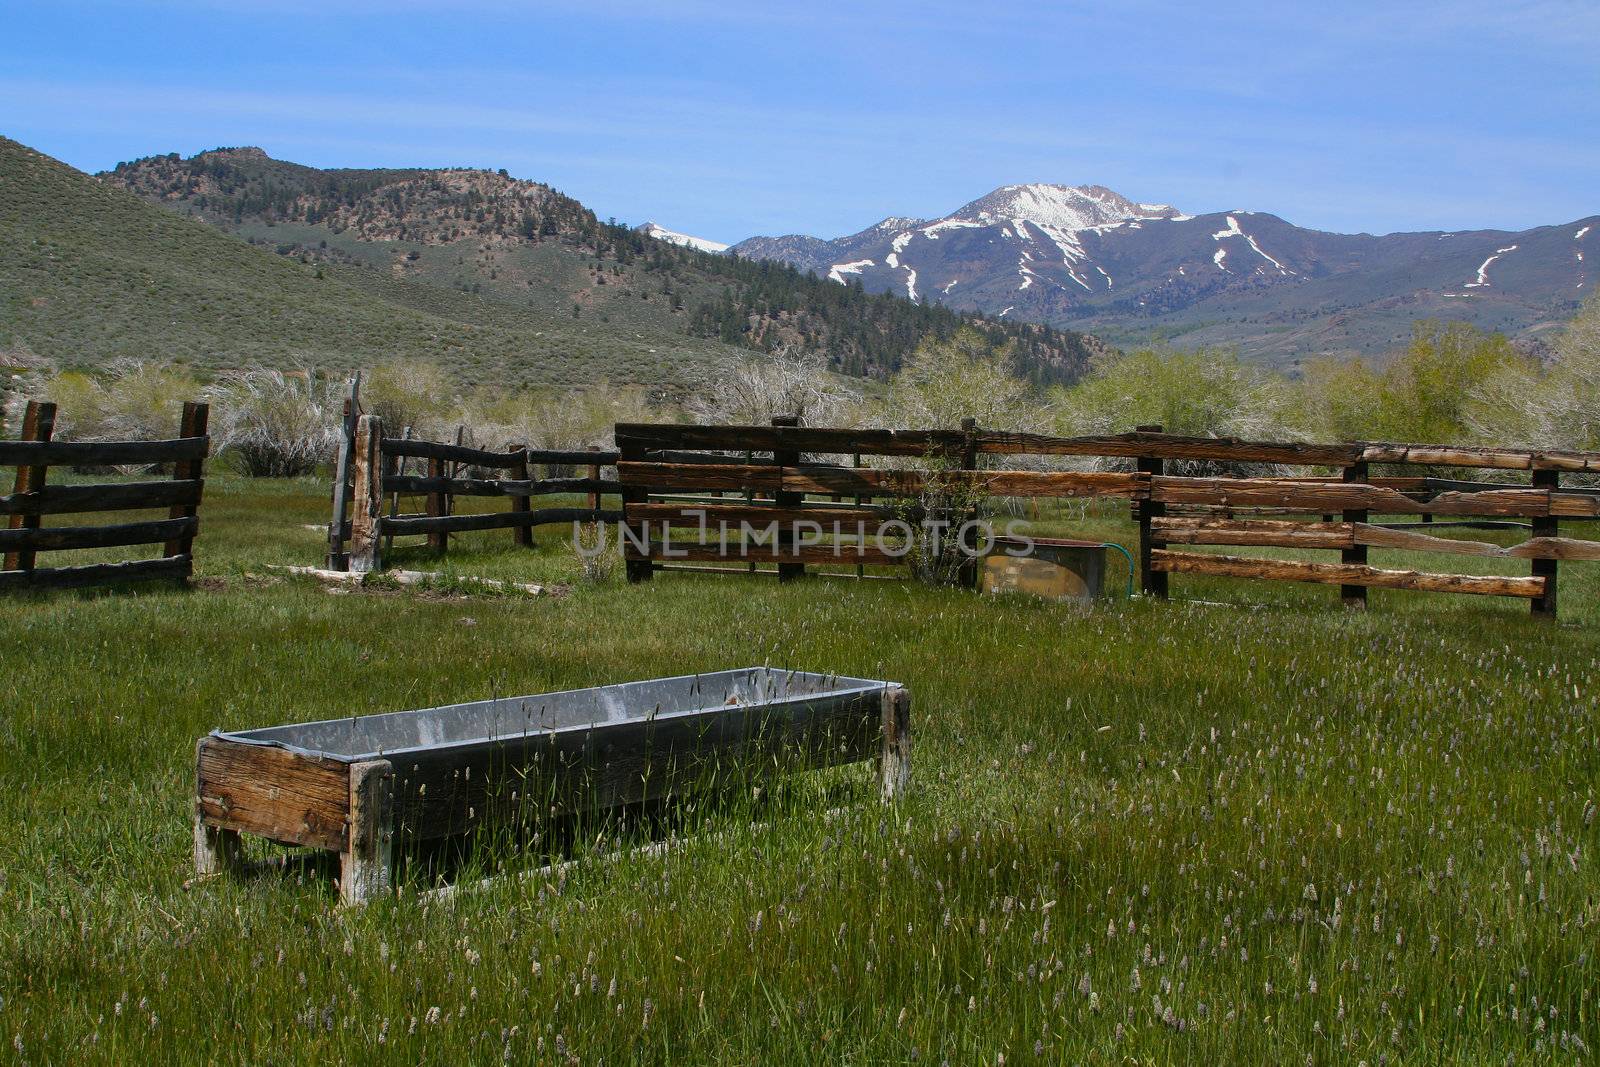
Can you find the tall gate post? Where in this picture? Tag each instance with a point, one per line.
(366, 515)
(337, 559)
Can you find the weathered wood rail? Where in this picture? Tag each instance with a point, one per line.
(372, 471)
(778, 470)
(31, 499)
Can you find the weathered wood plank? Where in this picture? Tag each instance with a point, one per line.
(1516, 459)
(275, 793)
(448, 453)
(1153, 445)
(573, 457)
(101, 453)
(504, 520)
(138, 570)
(479, 457)
(1566, 505)
(710, 515)
(130, 533)
(700, 477)
(120, 496)
(1329, 497)
(657, 436)
(1261, 532)
(518, 487)
(1343, 574)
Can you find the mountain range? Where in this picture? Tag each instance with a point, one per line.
(232, 258)
(524, 244)
(1087, 258)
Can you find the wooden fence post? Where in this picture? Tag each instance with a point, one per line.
(1354, 596)
(519, 470)
(438, 505)
(193, 424)
(631, 451)
(594, 476)
(1154, 583)
(38, 424)
(787, 457)
(366, 513)
(337, 559)
(967, 573)
(1545, 607)
(861, 569)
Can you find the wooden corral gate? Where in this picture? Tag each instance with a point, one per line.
(25, 535)
(769, 466)
(371, 479)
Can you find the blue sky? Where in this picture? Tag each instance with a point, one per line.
(727, 119)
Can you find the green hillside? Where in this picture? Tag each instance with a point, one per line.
(89, 273)
(523, 245)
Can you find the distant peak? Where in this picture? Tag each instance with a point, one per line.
(1063, 207)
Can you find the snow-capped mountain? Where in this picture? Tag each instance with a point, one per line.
(1089, 258)
(651, 229)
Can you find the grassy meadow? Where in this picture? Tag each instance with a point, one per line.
(1259, 829)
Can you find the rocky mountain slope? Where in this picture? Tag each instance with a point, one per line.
(522, 245)
(1087, 258)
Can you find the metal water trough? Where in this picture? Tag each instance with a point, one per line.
(355, 785)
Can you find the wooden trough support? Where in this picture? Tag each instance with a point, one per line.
(32, 498)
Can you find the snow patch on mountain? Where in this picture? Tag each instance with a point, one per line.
(1483, 270)
(837, 272)
(661, 233)
(1235, 230)
(1579, 235)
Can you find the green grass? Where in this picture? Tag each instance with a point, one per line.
(1268, 831)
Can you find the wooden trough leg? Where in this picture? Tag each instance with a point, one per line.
(365, 866)
(216, 851)
(894, 764)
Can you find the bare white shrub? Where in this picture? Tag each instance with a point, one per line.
(788, 382)
(276, 424)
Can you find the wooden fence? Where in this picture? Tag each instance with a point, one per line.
(25, 535)
(367, 517)
(765, 465)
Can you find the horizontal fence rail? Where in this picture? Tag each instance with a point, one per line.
(31, 498)
(678, 476)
